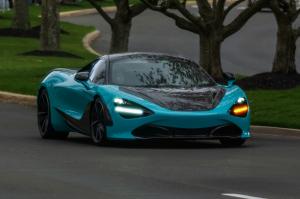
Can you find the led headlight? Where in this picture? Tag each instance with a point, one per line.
(130, 109)
(240, 108)
(241, 100)
(119, 101)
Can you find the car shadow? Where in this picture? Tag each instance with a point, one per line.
(153, 144)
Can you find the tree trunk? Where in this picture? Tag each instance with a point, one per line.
(50, 30)
(284, 60)
(21, 15)
(10, 2)
(210, 56)
(120, 36)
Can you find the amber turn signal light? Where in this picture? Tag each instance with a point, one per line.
(239, 110)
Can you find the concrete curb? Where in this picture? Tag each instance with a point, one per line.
(88, 40)
(275, 131)
(17, 98)
(76, 13)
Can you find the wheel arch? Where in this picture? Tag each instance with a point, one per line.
(106, 115)
(57, 121)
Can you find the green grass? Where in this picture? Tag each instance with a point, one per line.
(275, 107)
(22, 74)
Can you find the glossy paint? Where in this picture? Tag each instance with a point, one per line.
(73, 98)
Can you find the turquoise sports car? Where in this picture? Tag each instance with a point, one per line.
(142, 96)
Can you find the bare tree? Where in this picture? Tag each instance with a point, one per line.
(120, 23)
(286, 13)
(209, 24)
(21, 19)
(50, 30)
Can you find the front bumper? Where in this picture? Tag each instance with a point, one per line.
(180, 125)
(162, 132)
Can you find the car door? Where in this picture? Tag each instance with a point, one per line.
(75, 96)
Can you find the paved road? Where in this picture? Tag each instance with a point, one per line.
(30, 167)
(248, 52)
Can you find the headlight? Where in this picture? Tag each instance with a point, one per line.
(240, 108)
(128, 109)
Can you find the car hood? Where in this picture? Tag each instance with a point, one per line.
(180, 99)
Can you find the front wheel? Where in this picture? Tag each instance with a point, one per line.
(98, 129)
(44, 118)
(232, 142)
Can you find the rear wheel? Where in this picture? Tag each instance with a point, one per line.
(232, 142)
(98, 128)
(44, 118)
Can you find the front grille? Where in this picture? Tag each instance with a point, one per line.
(153, 131)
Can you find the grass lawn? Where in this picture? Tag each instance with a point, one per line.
(275, 107)
(22, 74)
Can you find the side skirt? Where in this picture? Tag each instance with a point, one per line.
(82, 125)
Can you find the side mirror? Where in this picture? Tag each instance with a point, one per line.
(82, 76)
(230, 78)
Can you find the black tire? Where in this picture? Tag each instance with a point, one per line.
(98, 128)
(44, 118)
(232, 142)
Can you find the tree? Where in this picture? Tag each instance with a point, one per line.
(21, 15)
(50, 30)
(121, 22)
(286, 13)
(209, 25)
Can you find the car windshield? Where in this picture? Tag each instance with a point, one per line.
(157, 71)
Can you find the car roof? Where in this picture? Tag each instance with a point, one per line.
(120, 55)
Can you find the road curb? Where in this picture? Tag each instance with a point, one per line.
(17, 98)
(276, 131)
(88, 39)
(76, 13)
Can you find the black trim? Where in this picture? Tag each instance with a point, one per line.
(82, 125)
(107, 117)
(162, 132)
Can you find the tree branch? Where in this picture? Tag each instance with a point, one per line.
(137, 9)
(297, 31)
(180, 22)
(274, 5)
(297, 13)
(231, 6)
(243, 17)
(187, 14)
(105, 16)
(214, 4)
(219, 10)
(220, 5)
(204, 9)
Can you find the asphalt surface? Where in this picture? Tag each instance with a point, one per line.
(30, 167)
(247, 52)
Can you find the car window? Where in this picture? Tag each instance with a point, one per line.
(158, 71)
(98, 72)
(89, 66)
